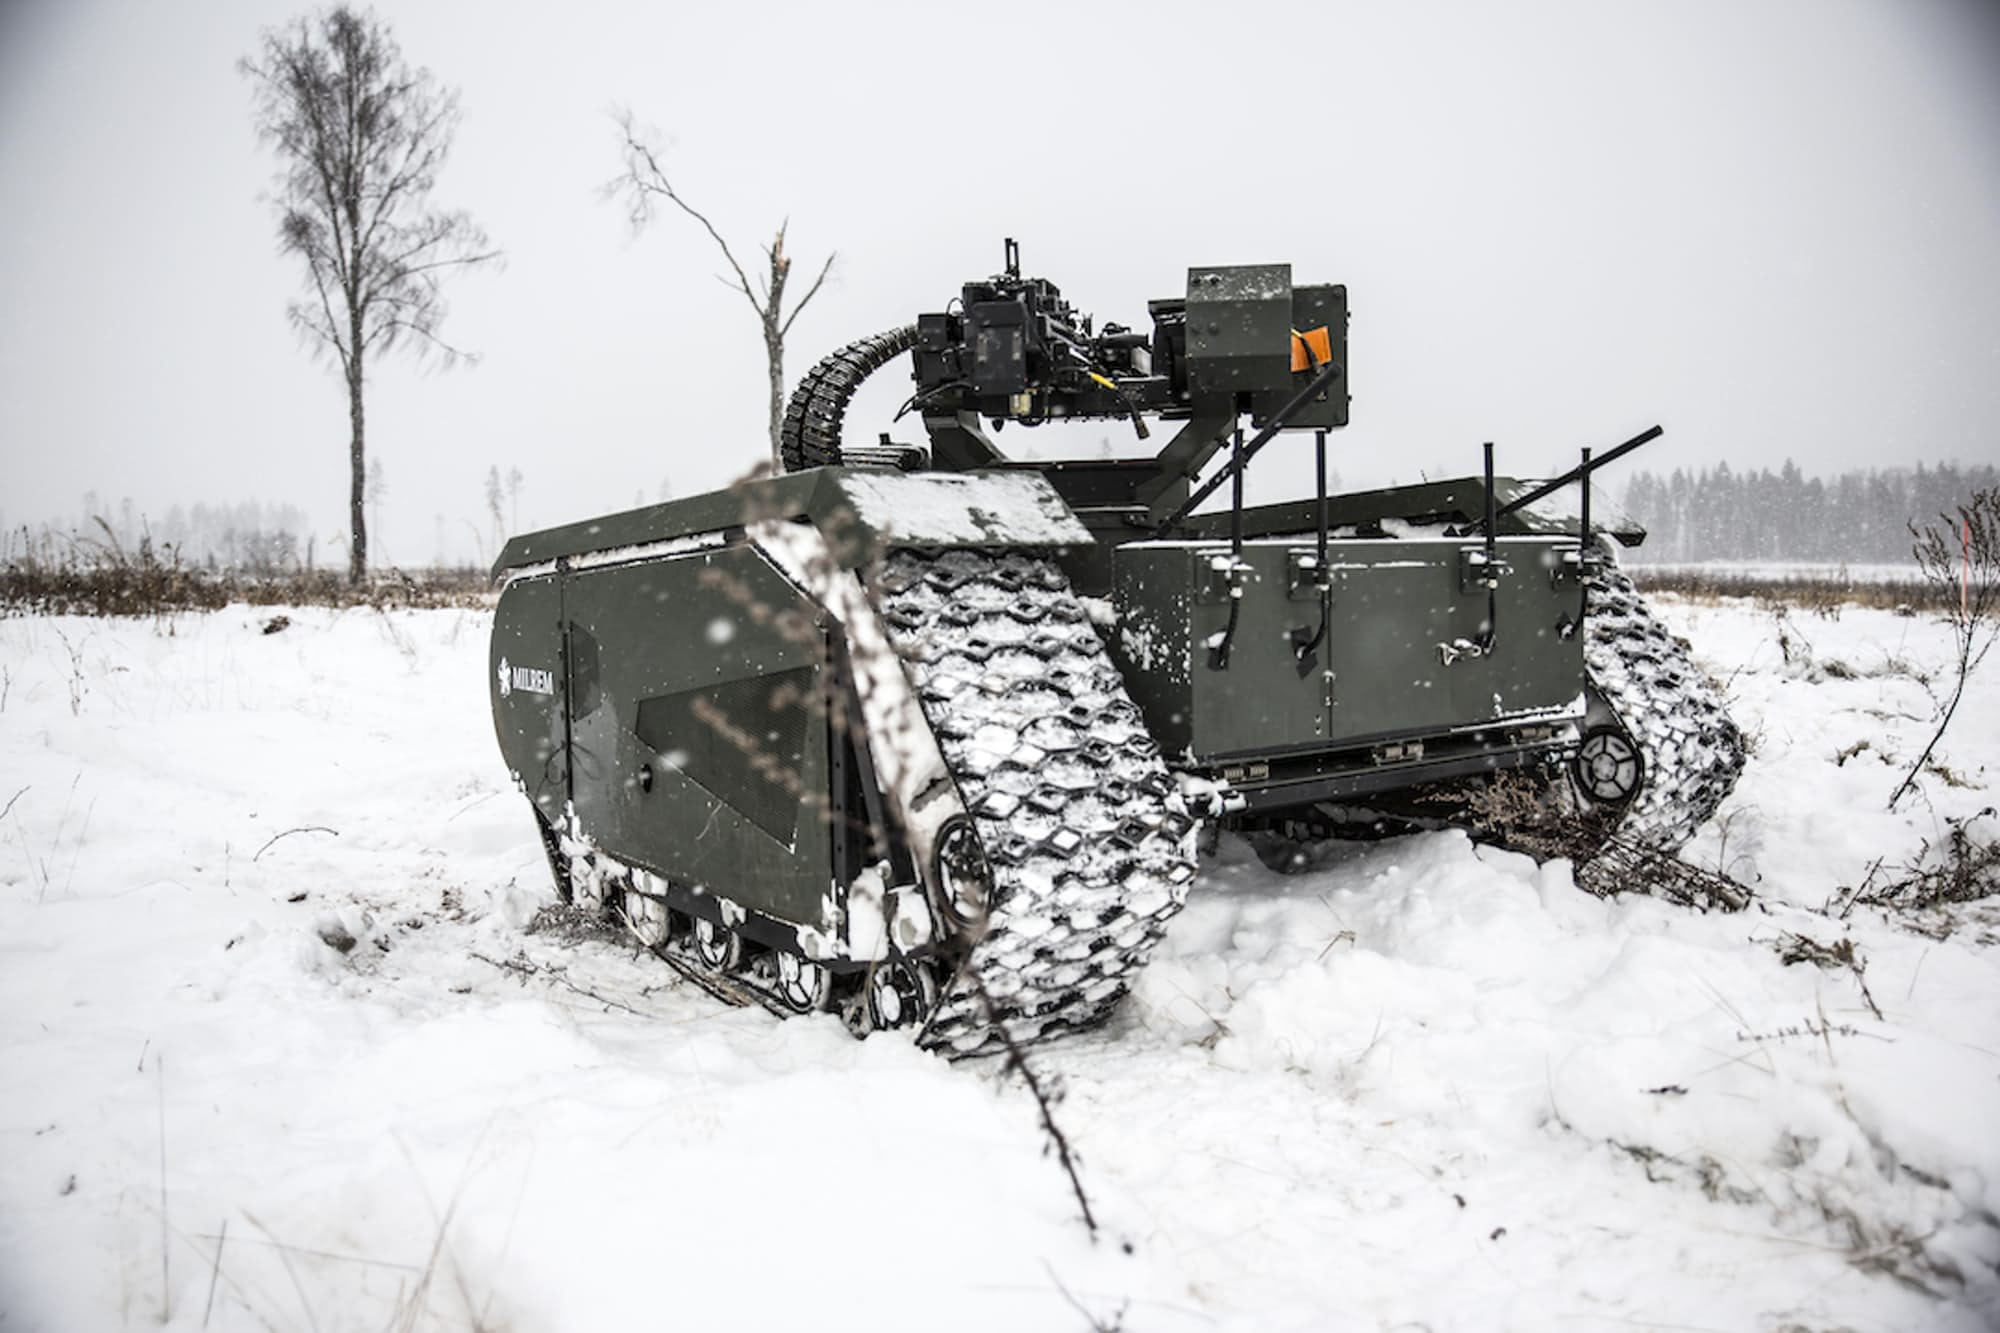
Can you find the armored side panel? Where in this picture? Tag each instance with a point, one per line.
(526, 678)
(1402, 659)
(677, 705)
(698, 725)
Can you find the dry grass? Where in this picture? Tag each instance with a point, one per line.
(99, 579)
(1822, 593)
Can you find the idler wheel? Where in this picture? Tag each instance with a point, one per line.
(803, 985)
(1607, 767)
(719, 948)
(901, 994)
(964, 877)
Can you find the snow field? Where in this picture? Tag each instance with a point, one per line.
(1418, 1083)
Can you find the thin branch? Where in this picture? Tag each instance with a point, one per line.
(811, 292)
(1117, 1324)
(215, 1273)
(522, 967)
(303, 828)
(166, 1286)
(285, 1258)
(1018, 1063)
(332, 1256)
(653, 180)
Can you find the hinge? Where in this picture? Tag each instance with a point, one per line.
(1475, 574)
(1306, 576)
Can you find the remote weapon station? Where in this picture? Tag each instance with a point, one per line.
(927, 734)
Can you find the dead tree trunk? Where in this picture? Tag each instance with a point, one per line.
(774, 345)
(357, 550)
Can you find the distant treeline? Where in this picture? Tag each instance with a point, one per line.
(249, 537)
(1857, 517)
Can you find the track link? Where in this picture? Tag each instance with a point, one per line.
(736, 991)
(1091, 848)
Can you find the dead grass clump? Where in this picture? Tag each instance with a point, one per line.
(1961, 867)
(1838, 956)
(571, 923)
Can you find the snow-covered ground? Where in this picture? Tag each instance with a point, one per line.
(1420, 1084)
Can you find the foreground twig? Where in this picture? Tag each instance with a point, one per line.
(1117, 1324)
(303, 828)
(285, 1258)
(305, 1251)
(215, 1273)
(523, 967)
(1018, 1063)
(166, 1289)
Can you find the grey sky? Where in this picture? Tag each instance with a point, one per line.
(1772, 225)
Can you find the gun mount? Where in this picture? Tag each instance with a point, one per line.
(1243, 341)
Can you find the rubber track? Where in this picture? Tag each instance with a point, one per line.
(1090, 844)
(810, 435)
(1691, 751)
(731, 989)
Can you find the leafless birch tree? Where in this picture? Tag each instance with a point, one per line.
(644, 185)
(360, 137)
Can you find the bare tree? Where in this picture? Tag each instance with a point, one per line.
(1960, 553)
(493, 493)
(644, 184)
(361, 137)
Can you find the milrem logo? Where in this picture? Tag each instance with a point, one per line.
(534, 680)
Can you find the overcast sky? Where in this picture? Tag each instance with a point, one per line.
(1772, 226)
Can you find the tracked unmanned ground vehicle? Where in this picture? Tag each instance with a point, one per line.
(926, 733)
